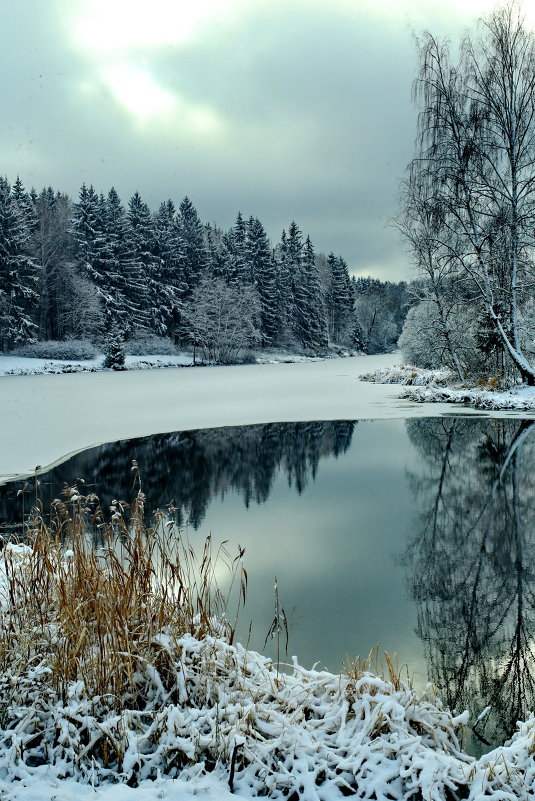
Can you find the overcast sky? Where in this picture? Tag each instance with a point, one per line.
(284, 109)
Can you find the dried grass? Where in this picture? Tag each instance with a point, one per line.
(95, 613)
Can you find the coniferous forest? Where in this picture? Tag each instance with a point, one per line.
(98, 270)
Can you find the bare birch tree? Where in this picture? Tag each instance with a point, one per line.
(475, 169)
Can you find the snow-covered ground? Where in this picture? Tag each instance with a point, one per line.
(22, 365)
(441, 386)
(205, 717)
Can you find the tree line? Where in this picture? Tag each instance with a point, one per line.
(95, 269)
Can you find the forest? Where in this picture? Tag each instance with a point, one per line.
(93, 271)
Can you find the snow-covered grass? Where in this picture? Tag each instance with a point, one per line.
(408, 375)
(117, 670)
(440, 386)
(22, 365)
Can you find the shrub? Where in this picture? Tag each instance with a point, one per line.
(55, 349)
(149, 345)
(246, 357)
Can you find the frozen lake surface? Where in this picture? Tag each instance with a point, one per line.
(46, 417)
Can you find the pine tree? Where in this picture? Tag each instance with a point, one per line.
(218, 256)
(19, 275)
(264, 270)
(194, 255)
(86, 228)
(53, 252)
(238, 269)
(339, 300)
(171, 271)
(25, 205)
(284, 291)
(310, 322)
(106, 254)
(144, 247)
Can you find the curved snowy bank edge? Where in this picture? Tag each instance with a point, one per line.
(235, 717)
(433, 386)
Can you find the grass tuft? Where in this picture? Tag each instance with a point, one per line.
(97, 613)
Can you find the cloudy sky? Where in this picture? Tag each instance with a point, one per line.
(284, 109)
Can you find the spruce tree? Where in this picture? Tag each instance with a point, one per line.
(19, 274)
(194, 254)
(53, 252)
(171, 276)
(143, 241)
(238, 269)
(264, 270)
(284, 291)
(339, 300)
(309, 315)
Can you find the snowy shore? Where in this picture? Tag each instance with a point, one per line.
(440, 386)
(179, 711)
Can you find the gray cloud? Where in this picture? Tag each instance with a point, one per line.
(313, 101)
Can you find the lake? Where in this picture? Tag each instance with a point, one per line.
(415, 536)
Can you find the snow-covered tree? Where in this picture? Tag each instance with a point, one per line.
(194, 254)
(53, 250)
(264, 271)
(473, 168)
(19, 274)
(339, 301)
(310, 323)
(221, 319)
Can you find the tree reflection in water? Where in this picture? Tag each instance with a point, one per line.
(187, 469)
(471, 566)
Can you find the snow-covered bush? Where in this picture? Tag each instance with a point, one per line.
(55, 349)
(150, 345)
(221, 320)
(408, 375)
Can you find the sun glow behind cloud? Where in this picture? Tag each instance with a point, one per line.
(118, 37)
(137, 91)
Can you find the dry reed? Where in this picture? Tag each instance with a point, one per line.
(96, 615)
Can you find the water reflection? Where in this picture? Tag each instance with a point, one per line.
(186, 470)
(471, 566)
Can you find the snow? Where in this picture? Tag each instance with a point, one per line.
(52, 416)
(305, 733)
(21, 365)
(58, 415)
(434, 386)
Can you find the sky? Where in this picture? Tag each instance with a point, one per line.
(282, 109)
